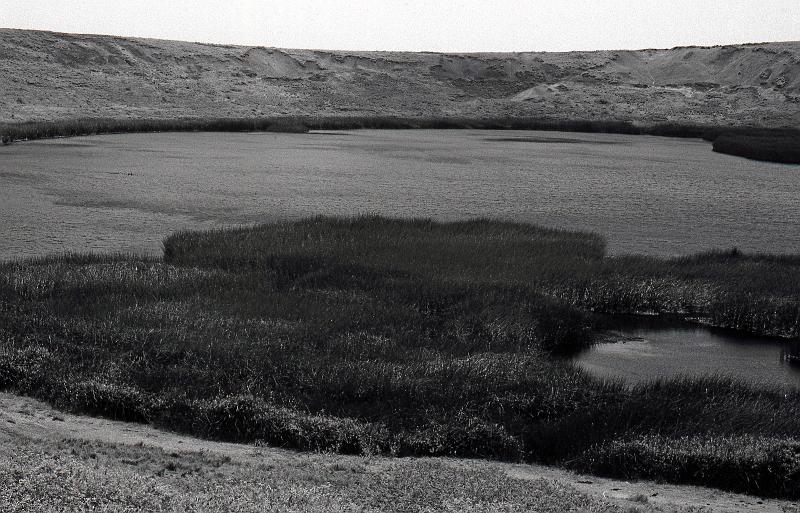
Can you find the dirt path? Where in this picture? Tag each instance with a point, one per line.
(64, 438)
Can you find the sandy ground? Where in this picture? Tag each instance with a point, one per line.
(52, 461)
(46, 76)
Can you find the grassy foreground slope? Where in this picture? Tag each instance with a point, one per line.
(105, 465)
(374, 335)
(105, 477)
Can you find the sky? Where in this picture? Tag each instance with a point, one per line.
(422, 25)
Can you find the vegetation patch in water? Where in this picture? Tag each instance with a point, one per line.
(783, 147)
(405, 337)
(33, 130)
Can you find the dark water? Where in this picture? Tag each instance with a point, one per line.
(649, 195)
(641, 354)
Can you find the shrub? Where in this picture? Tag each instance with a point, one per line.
(754, 465)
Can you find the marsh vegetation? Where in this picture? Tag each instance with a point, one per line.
(34, 130)
(776, 145)
(373, 335)
(27, 131)
(779, 146)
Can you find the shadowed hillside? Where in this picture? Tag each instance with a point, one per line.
(47, 76)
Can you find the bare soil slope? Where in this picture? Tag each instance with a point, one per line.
(51, 461)
(47, 76)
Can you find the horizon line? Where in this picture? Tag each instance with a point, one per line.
(246, 45)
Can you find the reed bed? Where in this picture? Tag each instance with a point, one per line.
(10, 132)
(782, 147)
(30, 131)
(777, 145)
(405, 337)
(26, 131)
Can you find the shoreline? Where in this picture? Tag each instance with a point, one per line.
(758, 143)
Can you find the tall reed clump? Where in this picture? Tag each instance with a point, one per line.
(405, 337)
(757, 294)
(764, 465)
(34, 130)
(782, 147)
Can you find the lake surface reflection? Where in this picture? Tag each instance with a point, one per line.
(640, 354)
(649, 195)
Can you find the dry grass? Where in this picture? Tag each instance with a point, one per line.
(75, 475)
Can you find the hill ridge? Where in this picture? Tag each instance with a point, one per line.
(55, 76)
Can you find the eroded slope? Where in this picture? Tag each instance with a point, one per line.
(48, 76)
